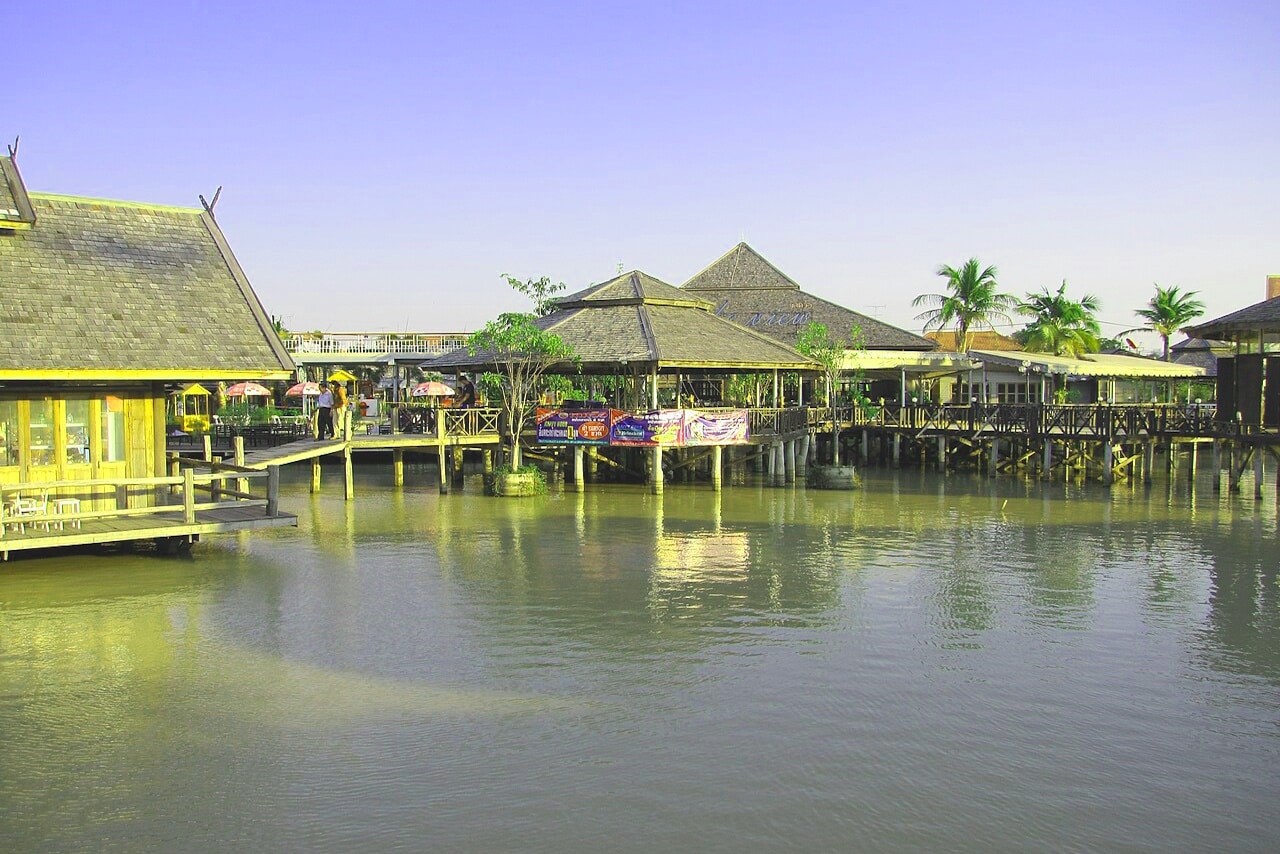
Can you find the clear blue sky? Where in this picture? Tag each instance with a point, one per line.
(383, 163)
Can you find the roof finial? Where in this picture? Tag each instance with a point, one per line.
(13, 149)
(208, 206)
(619, 267)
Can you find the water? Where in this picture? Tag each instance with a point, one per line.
(928, 664)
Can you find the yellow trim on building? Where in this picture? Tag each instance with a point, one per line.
(165, 375)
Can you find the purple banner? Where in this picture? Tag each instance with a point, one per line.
(646, 429)
(715, 428)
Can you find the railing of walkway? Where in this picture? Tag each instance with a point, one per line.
(1067, 420)
(192, 486)
(769, 421)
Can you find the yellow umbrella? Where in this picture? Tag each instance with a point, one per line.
(341, 376)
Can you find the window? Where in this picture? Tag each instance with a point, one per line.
(9, 433)
(42, 440)
(76, 432)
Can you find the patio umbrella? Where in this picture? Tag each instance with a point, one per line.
(431, 388)
(248, 390)
(303, 389)
(341, 376)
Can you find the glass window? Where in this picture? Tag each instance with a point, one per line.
(9, 433)
(42, 444)
(111, 448)
(77, 432)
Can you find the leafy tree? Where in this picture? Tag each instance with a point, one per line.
(522, 353)
(1168, 311)
(815, 342)
(972, 301)
(1060, 325)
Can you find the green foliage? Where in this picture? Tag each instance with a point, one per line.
(1168, 311)
(972, 301)
(537, 475)
(244, 412)
(1060, 325)
(522, 353)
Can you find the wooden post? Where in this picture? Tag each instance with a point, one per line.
(993, 459)
(717, 460)
(208, 448)
(942, 454)
(897, 450)
(578, 468)
(1046, 471)
(1191, 461)
(189, 496)
(866, 446)
(1217, 466)
(348, 479)
(1257, 472)
(273, 490)
(1148, 460)
(237, 444)
(442, 457)
(1108, 463)
(1233, 468)
(315, 474)
(397, 466)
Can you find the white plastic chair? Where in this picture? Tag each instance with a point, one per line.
(24, 507)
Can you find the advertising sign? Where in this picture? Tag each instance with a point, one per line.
(715, 428)
(576, 427)
(646, 429)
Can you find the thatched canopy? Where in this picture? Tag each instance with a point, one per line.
(636, 323)
(747, 289)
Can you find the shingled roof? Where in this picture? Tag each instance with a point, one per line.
(639, 321)
(97, 289)
(745, 288)
(1249, 321)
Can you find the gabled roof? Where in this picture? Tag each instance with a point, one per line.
(747, 289)
(636, 320)
(1260, 317)
(984, 339)
(99, 289)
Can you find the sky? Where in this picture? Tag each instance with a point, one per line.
(383, 164)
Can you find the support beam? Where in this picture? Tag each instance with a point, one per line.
(315, 474)
(717, 452)
(397, 466)
(348, 476)
(579, 470)
(655, 469)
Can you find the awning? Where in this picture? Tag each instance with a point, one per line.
(1110, 366)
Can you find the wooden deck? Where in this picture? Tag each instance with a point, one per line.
(198, 498)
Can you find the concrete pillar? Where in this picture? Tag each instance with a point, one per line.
(348, 478)
(441, 457)
(578, 468)
(1148, 461)
(1191, 461)
(655, 474)
(397, 466)
(942, 454)
(789, 461)
(1108, 463)
(1217, 465)
(866, 445)
(1046, 468)
(717, 452)
(897, 450)
(315, 474)
(802, 456)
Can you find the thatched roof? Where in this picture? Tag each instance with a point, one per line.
(1247, 322)
(1200, 353)
(97, 289)
(635, 321)
(747, 289)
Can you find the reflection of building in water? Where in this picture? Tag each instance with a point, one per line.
(682, 558)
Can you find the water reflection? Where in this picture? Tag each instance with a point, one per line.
(929, 663)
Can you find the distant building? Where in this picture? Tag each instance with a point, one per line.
(1249, 379)
(985, 339)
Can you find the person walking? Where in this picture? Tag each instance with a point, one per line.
(324, 406)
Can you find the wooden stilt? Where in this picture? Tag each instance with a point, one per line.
(397, 466)
(1108, 463)
(1257, 473)
(942, 454)
(348, 476)
(655, 476)
(578, 468)
(1217, 465)
(716, 463)
(442, 459)
(1148, 461)
(315, 474)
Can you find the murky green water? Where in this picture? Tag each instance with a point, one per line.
(929, 664)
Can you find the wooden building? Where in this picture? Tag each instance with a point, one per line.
(1249, 379)
(106, 306)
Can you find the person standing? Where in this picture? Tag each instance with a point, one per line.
(324, 420)
(466, 392)
(340, 405)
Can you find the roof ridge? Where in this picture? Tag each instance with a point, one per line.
(120, 203)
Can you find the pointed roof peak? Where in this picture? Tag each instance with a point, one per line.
(632, 288)
(742, 267)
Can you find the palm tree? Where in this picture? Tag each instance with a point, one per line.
(972, 301)
(1168, 311)
(1060, 325)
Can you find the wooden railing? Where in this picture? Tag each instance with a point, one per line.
(188, 488)
(1067, 420)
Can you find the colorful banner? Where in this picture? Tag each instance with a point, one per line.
(715, 428)
(573, 427)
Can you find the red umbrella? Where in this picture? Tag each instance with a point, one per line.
(431, 388)
(248, 390)
(308, 388)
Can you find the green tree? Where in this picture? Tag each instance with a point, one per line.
(521, 352)
(1060, 325)
(1168, 311)
(972, 301)
(815, 342)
